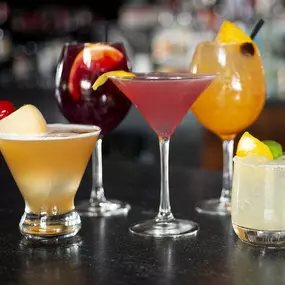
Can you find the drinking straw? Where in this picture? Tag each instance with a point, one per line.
(256, 28)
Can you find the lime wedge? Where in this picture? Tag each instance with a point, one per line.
(275, 148)
(101, 80)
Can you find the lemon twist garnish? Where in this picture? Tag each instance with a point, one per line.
(101, 80)
(249, 145)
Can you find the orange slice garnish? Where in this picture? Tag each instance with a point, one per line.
(94, 57)
(230, 33)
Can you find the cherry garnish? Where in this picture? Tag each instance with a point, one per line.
(247, 49)
(6, 108)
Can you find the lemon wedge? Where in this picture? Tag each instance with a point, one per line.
(230, 33)
(101, 80)
(249, 145)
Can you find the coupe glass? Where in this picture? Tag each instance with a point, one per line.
(163, 99)
(230, 105)
(48, 170)
(80, 64)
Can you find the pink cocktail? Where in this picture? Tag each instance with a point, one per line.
(163, 99)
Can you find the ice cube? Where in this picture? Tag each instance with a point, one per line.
(277, 162)
(253, 160)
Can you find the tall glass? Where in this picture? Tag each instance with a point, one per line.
(230, 105)
(163, 99)
(80, 64)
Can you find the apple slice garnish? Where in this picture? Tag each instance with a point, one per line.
(93, 58)
(25, 120)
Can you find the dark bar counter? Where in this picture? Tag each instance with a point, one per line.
(104, 252)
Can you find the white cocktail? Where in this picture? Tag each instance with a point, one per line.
(258, 200)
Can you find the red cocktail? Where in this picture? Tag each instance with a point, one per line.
(163, 99)
(80, 64)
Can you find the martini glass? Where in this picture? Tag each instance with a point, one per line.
(163, 99)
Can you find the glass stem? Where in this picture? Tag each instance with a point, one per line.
(164, 214)
(228, 147)
(97, 192)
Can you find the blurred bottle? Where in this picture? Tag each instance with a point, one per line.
(5, 42)
(175, 39)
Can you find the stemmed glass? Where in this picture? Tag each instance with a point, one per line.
(80, 64)
(230, 105)
(163, 99)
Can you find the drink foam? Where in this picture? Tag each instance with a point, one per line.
(56, 132)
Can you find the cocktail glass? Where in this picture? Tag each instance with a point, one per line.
(231, 104)
(48, 169)
(80, 64)
(258, 200)
(163, 99)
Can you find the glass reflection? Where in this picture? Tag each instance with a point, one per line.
(51, 264)
(259, 265)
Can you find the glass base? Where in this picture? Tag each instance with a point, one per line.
(271, 239)
(174, 228)
(103, 209)
(40, 227)
(214, 207)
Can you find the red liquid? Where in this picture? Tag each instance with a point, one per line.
(163, 102)
(105, 107)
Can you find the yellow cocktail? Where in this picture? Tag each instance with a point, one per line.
(258, 212)
(48, 169)
(232, 102)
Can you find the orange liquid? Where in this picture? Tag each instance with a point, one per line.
(48, 172)
(235, 99)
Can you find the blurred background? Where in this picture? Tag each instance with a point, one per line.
(158, 35)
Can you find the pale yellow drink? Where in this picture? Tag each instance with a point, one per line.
(258, 200)
(48, 167)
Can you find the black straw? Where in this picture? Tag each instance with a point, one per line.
(256, 28)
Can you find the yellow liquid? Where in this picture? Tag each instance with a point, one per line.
(48, 171)
(258, 194)
(235, 99)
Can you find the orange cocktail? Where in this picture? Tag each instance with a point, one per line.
(233, 101)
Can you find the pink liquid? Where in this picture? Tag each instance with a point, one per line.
(163, 102)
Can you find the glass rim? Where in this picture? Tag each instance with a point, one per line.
(91, 130)
(164, 76)
(217, 44)
(74, 43)
(265, 164)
